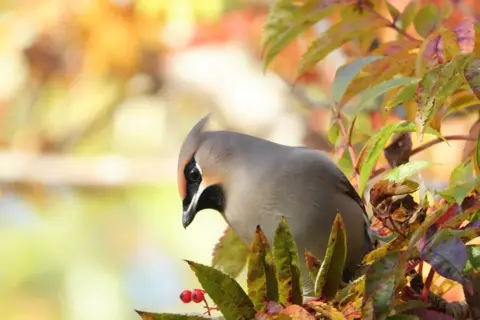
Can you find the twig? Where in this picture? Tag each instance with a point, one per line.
(426, 146)
(392, 24)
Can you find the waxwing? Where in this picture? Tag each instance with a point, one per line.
(252, 181)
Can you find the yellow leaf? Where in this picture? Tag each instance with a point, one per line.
(337, 35)
(380, 71)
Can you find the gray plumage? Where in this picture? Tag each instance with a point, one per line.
(261, 181)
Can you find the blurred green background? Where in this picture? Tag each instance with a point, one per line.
(95, 99)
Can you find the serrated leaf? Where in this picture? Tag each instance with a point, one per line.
(224, 291)
(408, 92)
(337, 35)
(437, 85)
(408, 14)
(381, 282)
(288, 19)
(329, 277)
(401, 173)
(381, 88)
(473, 262)
(346, 73)
(169, 316)
(353, 290)
(380, 252)
(261, 275)
(287, 265)
(230, 253)
(381, 70)
(426, 20)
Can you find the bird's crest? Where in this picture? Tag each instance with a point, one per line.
(189, 147)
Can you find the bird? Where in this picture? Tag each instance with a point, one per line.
(251, 181)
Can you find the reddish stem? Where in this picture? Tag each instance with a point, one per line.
(427, 285)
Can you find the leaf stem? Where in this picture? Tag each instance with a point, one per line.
(347, 139)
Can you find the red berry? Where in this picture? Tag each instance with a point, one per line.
(197, 295)
(186, 296)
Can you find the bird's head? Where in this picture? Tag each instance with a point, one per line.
(200, 178)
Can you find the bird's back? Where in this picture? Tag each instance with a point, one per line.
(304, 186)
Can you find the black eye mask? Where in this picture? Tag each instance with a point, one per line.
(193, 177)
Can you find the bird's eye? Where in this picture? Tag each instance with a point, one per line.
(194, 174)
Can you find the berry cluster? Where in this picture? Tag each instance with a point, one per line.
(197, 296)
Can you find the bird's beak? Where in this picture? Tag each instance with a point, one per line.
(190, 210)
(206, 197)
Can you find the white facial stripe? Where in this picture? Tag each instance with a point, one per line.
(198, 167)
(195, 198)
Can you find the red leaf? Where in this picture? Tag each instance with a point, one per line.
(434, 53)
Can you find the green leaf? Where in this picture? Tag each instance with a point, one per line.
(393, 11)
(462, 182)
(407, 93)
(287, 20)
(458, 192)
(287, 265)
(225, 292)
(169, 316)
(462, 173)
(437, 85)
(230, 253)
(346, 73)
(330, 275)
(261, 277)
(382, 88)
(409, 14)
(337, 35)
(426, 20)
(401, 173)
(381, 282)
(473, 262)
(377, 143)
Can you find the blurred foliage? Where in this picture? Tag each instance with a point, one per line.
(431, 64)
